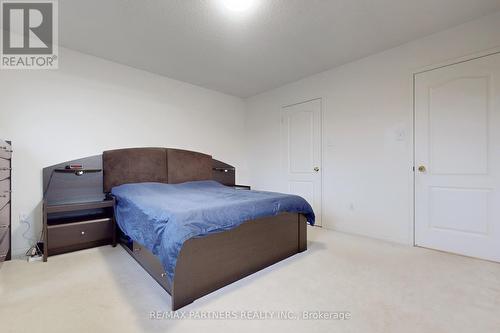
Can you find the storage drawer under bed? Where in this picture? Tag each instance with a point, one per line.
(151, 264)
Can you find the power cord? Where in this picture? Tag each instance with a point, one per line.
(34, 248)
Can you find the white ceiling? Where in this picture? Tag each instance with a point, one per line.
(242, 55)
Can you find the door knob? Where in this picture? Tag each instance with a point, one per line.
(422, 168)
(316, 169)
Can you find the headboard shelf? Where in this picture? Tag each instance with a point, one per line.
(77, 171)
(224, 169)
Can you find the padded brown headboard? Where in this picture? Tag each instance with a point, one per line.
(185, 166)
(162, 165)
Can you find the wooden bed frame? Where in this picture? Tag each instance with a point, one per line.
(207, 263)
(212, 262)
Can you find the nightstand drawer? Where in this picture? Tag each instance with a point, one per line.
(78, 235)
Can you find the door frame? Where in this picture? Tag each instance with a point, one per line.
(322, 100)
(456, 61)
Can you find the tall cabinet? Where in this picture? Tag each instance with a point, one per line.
(5, 191)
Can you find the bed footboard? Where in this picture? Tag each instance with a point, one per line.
(208, 263)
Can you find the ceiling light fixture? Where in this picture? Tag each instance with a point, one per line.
(238, 6)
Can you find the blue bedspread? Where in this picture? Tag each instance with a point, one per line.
(163, 216)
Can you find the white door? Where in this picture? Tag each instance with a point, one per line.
(457, 157)
(301, 129)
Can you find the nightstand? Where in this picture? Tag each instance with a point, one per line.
(75, 226)
(241, 187)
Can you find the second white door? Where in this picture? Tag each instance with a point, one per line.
(457, 153)
(301, 130)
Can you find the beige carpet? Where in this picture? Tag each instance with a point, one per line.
(385, 288)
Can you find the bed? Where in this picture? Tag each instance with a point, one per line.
(162, 192)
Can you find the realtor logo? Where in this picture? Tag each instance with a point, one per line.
(29, 35)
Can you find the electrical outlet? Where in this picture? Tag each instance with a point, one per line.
(23, 217)
(400, 135)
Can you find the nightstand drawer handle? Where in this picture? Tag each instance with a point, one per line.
(83, 233)
(137, 249)
(163, 274)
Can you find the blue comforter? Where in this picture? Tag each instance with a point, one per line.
(163, 216)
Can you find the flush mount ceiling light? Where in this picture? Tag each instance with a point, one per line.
(238, 6)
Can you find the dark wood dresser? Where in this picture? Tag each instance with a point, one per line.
(5, 191)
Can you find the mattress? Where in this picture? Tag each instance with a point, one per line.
(163, 216)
